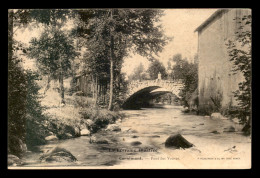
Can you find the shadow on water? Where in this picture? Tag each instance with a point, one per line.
(150, 106)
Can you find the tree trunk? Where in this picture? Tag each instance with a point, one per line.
(96, 91)
(10, 35)
(111, 94)
(61, 85)
(48, 84)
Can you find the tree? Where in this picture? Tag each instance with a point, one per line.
(21, 87)
(240, 54)
(24, 111)
(155, 68)
(138, 73)
(177, 68)
(114, 32)
(53, 50)
(188, 73)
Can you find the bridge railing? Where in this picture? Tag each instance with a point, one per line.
(180, 81)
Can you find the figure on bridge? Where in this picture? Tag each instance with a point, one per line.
(159, 76)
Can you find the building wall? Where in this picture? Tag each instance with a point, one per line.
(216, 81)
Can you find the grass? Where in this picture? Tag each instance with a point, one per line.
(64, 119)
(67, 119)
(61, 120)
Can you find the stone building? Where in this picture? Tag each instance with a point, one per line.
(216, 81)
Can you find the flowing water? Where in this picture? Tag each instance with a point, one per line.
(140, 143)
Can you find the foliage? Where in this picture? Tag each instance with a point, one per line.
(25, 118)
(34, 111)
(188, 73)
(138, 73)
(240, 54)
(112, 33)
(154, 68)
(100, 117)
(54, 49)
(120, 89)
(17, 94)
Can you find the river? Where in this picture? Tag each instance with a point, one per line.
(140, 143)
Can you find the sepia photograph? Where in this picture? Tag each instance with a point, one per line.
(128, 88)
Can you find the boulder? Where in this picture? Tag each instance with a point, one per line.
(92, 139)
(58, 154)
(185, 110)
(177, 141)
(13, 160)
(136, 143)
(101, 141)
(217, 115)
(68, 135)
(236, 120)
(82, 126)
(229, 129)
(118, 121)
(88, 122)
(51, 138)
(215, 132)
(131, 131)
(50, 133)
(85, 132)
(78, 93)
(76, 132)
(113, 127)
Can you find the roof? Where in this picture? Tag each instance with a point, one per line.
(210, 19)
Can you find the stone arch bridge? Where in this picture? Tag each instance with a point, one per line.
(139, 92)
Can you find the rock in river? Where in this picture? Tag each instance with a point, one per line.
(84, 132)
(88, 122)
(229, 129)
(177, 141)
(113, 127)
(215, 132)
(136, 143)
(217, 115)
(102, 141)
(13, 160)
(58, 155)
(51, 138)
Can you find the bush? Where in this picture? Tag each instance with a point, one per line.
(24, 110)
(206, 110)
(240, 53)
(16, 107)
(100, 117)
(35, 130)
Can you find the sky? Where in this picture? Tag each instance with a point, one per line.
(177, 23)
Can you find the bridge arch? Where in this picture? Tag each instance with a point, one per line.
(140, 91)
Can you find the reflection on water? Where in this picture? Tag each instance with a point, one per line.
(142, 136)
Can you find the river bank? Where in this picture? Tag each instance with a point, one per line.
(62, 122)
(140, 143)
